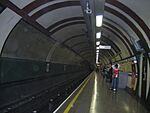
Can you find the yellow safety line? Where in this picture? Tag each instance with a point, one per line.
(75, 98)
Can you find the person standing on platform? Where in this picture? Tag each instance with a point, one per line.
(104, 72)
(110, 73)
(115, 77)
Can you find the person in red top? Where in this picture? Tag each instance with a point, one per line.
(115, 77)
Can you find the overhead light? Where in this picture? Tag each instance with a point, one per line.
(97, 43)
(97, 59)
(97, 51)
(104, 47)
(101, 47)
(98, 35)
(135, 61)
(97, 47)
(99, 19)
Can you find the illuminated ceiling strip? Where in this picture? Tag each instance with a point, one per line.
(98, 35)
(97, 43)
(99, 20)
(104, 47)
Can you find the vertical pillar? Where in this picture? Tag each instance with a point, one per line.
(148, 77)
(140, 74)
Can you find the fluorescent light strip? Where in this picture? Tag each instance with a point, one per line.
(101, 47)
(97, 43)
(97, 55)
(97, 47)
(99, 20)
(98, 35)
(104, 47)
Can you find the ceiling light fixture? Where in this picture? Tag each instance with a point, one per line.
(98, 35)
(104, 47)
(97, 51)
(97, 43)
(99, 20)
(97, 47)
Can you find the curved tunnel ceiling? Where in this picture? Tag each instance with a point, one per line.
(64, 22)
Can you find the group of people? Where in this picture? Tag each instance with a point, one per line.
(113, 75)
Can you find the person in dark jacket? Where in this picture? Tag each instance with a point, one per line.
(110, 73)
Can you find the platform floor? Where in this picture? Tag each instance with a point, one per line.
(94, 96)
